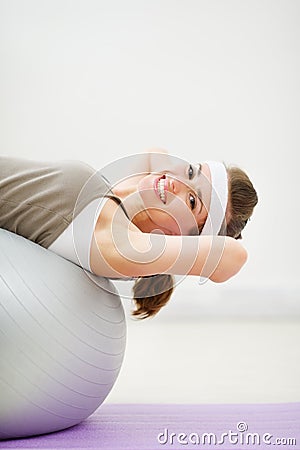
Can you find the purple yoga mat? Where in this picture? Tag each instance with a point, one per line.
(150, 426)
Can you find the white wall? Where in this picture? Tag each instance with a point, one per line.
(96, 80)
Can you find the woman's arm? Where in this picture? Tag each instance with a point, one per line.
(120, 249)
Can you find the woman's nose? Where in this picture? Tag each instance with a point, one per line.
(175, 186)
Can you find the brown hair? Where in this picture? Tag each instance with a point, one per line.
(153, 292)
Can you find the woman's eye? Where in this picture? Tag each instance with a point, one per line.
(191, 171)
(192, 201)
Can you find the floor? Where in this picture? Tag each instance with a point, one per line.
(210, 361)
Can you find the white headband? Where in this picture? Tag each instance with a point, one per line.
(218, 199)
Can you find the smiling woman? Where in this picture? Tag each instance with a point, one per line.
(156, 217)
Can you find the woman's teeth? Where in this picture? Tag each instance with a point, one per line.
(161, 189)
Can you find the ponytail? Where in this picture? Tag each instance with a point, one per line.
(151, 293)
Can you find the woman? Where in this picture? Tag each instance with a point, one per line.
(156, 217)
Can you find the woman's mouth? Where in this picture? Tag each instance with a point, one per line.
(160, 187)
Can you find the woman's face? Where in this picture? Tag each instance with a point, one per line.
(176, 200)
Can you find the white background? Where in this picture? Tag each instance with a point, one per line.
(97, 80)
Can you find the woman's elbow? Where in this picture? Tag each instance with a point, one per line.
(234, 258)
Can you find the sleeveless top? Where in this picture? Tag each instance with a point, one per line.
(54, 204)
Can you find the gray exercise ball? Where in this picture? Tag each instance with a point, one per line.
(62, 339)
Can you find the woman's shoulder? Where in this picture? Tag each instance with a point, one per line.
(75, 168)
(82, 179)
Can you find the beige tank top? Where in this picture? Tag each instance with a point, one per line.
(39, 199)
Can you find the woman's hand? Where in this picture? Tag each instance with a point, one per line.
(151, 160)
